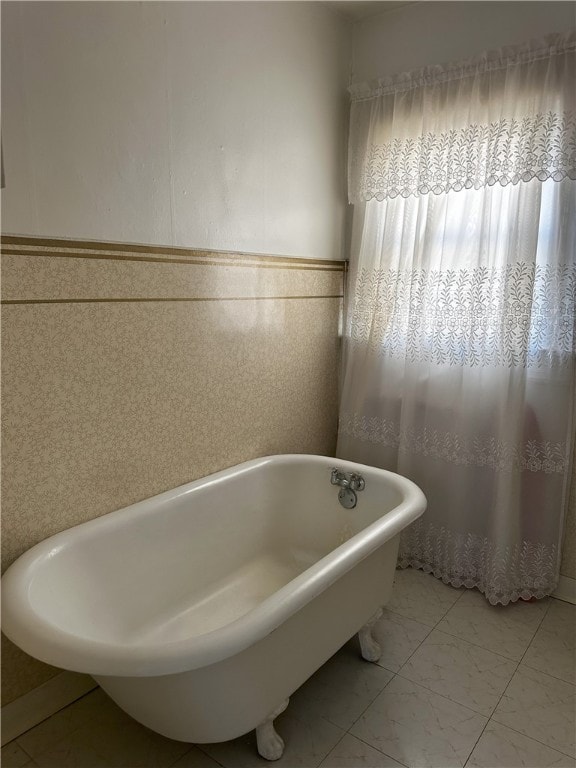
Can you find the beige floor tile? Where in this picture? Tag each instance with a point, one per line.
(419, 728)
(341, 690)
(399, 637)
(75, 751)
(94, 732)
(431, 715)
(422, 597)
(541, 707)
(307, 742)
(353, 753)
(13, 756)
(63, 723)
(503, 629)
(464, 673)
(501, 746)
(48, 734)
(553, 649)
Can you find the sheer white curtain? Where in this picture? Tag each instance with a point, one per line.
(459, 366)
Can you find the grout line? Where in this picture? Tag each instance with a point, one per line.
(412, 654)
(521, 659)
(514, 661)
(490, 719)
(45, 719)
(560, 679)
(198, 747)
(319, 762)
(393, 675)
(463, 592)
(532, 738)
(542, 672)
(402, 616)
(477, 740)
(444, 696)
(201, 748)
(518, 663)
(344, 734)
(349, 733)
(420, 644)
(378, 750)
(430, 629)
(546, 612)
(396, 674)
(15, 741)
(482, 647)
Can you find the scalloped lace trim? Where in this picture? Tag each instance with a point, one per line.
(504, 152)
(503, 574)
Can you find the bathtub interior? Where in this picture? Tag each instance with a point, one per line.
(174, 569)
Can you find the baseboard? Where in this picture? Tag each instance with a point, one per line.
(566, 590)
(42, 702)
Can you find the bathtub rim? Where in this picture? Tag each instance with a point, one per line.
(45, 641)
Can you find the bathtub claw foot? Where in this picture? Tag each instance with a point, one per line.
(270, 744)
(369, 647)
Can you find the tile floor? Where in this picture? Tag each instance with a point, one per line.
(460, 683)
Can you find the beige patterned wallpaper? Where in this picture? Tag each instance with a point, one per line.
(129, 370)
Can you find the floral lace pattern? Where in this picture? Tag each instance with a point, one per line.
(507, 151)
(514, 315)
(462, 374)
(533, 456)
(503, 572)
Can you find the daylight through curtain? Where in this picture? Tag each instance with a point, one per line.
(459, 367)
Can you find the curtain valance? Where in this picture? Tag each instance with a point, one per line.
(441, 129)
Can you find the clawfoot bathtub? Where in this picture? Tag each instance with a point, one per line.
(201, 610)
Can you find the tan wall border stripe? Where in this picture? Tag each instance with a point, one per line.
(162, 254)
(215, 262)
(133, 301)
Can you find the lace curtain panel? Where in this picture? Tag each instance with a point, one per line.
(460, 341)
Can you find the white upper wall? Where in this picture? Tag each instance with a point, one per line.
(209, 125)
(438, 32)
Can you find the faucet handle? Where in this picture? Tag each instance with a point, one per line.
(357, 482)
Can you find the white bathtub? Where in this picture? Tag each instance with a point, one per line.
(201, 610)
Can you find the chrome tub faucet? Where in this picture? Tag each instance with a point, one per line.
(350, 483)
